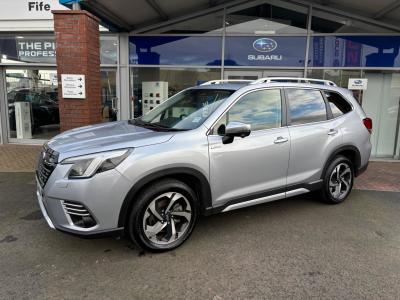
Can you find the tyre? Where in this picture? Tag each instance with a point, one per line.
(163, 216)
(338, 180)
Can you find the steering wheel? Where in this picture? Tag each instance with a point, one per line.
(182, 116)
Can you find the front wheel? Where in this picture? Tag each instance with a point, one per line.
(163, 216)
(338, 180)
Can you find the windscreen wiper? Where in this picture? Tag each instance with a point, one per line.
(149, 125)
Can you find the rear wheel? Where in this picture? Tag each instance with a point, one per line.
(338, 180)
(163, 216)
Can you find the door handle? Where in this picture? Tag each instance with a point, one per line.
(332, 131)
(280, 140)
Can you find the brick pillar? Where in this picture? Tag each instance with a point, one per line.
(78, 52)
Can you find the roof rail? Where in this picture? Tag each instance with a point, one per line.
(226, 81)
(294, 79)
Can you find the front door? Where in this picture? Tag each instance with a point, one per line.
(255, 166)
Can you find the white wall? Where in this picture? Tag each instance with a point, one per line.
(27, 15)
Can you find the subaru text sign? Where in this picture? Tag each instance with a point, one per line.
(277, 51)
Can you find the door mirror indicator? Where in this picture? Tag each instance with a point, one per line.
(235, 129)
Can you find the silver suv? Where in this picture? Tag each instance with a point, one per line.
(211, 148)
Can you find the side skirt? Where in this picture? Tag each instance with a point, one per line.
(266, 197)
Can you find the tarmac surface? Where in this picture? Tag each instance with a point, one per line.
(295, 248)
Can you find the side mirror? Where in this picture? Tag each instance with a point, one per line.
(237, 129)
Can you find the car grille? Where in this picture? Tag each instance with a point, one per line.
(78, 214)
(48, 159)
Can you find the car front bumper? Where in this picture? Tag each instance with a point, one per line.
(101, 196)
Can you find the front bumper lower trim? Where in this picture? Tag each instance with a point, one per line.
(44, 212)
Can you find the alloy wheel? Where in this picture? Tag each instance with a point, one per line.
(167, 218)
(340, 181)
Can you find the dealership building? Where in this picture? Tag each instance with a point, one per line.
(131, 55)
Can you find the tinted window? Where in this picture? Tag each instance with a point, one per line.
(261, 109)
(306, 106)
(338, 105)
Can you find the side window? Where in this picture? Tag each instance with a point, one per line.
(306, 106)
(262, 109)
(338, 105)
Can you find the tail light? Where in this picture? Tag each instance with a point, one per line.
(368, 124)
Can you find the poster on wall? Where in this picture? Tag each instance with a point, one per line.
(355, 51)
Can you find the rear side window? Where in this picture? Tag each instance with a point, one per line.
(338, 105)
(306, 106)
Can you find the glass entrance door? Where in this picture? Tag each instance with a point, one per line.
(109, 95)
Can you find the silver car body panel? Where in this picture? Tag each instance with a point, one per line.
(251, 170)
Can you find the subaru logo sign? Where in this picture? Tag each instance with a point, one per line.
(265, 45)
(358, 81)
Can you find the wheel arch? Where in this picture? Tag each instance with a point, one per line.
(349, 151)
(193, 178)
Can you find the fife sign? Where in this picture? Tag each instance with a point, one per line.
(28, 9)
(73, 86)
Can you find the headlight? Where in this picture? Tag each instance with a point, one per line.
(88, 165)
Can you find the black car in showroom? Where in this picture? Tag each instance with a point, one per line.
(44, 109)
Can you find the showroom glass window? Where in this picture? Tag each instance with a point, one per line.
(267, 19)
(176, 79)
(32, 98)
(211, 23)
(306, 106)
(325, 22)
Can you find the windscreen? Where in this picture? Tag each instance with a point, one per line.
(186, 110)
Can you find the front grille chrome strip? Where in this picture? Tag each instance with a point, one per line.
(47, 162)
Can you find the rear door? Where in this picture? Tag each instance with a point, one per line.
(254, 166)
(314, 135)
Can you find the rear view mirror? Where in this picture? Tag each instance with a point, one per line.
(236, 129)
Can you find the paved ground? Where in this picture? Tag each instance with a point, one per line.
(380, 176)
(295, 248)
(18, 158)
